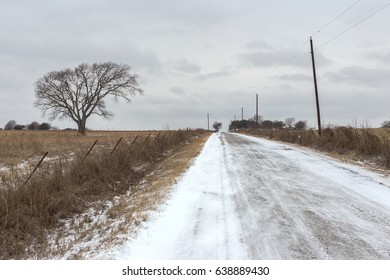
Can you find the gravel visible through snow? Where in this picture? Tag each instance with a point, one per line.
(250, 198)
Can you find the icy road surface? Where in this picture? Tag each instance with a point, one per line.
(249, 198)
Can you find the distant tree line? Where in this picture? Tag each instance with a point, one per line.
(289, 123)
(13, 125)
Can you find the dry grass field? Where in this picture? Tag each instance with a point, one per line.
(68, 183)
(17, 146)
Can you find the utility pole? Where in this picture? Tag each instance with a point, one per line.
(257, 108)
(315, 87)
(208, 121)
(242, 114)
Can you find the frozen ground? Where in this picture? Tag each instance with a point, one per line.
(249, 198)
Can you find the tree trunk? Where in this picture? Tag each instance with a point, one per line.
(81, 125)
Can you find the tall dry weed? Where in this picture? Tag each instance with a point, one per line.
(61, 188)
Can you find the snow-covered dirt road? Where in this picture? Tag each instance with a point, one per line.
(249, 198)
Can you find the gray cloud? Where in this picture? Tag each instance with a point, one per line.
(178, 90)
(74, 52)
(214, 75)
(265, 58)
(272, 57)
(183, 65)
(193, 13)
(258, 44)
(263, 54)
(356, 75)
(296, 77)
(382, 57)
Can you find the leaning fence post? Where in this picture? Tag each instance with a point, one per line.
(134, 141)
(35, 169)
(90, 149)
(147, 138)
(162, 137)
(120, 139)
(160, 140)
(157, 136)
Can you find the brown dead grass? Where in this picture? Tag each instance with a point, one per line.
(63, 189)
(17, 146)
(129, 210)
(164, 176)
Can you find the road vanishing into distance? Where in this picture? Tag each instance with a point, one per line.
(250, 198)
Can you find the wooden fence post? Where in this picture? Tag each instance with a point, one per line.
(162, 137)
(35, 169)
(134, 140)
(90, 149)
(147, 138)
(120, 139)
(157, 136)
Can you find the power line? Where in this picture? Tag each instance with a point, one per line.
(336, 18)
(318, 31)
(281, 73)
(353, 26)
(284, 70)
(296, 65)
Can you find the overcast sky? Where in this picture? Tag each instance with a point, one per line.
(203, 56)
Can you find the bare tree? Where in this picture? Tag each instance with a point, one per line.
(290, 122)
(10, 125)
(301, 125)
(267, 124)
(278, 124)
(19, 127)
(217, 126)
(44, 126)
(77, 94)
(33, 126)
(386, 124)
